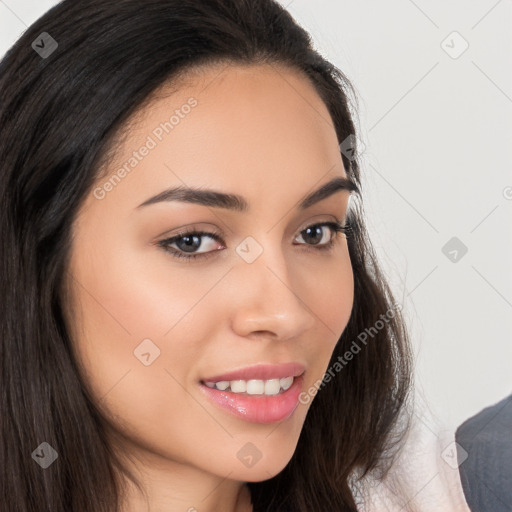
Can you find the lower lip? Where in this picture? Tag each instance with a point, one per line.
(258, 408)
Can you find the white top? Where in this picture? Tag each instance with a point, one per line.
(424, 477)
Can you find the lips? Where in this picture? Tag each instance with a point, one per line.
(257, 408)
(259, 372)
(254, 406)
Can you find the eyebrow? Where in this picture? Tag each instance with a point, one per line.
(237, 203)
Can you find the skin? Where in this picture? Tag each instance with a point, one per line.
(259, 131)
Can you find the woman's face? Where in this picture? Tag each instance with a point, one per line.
(151, 328)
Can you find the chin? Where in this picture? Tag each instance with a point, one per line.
(261, 470)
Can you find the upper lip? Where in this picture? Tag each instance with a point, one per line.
(260, 372)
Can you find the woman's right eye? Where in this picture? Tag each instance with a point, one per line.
(189, 241)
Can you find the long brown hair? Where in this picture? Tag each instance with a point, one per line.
(59, 116)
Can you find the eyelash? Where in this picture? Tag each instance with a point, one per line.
(336, 227)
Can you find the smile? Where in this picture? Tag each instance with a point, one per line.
(254, 386)
(258, 403)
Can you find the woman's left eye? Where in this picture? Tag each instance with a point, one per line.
(191, 240)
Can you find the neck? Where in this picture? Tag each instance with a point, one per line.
(187, 490)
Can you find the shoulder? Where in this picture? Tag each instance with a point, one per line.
(491, 425)
(485, 441)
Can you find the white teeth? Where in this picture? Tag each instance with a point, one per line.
(272, 386)
(254, 386)
(238, 386)
(286, 382)
(222, 385)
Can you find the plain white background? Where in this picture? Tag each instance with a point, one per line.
(436, 123)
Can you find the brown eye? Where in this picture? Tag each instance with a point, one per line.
(316, 234)
(188, 243)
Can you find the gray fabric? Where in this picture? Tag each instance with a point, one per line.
(486, 474)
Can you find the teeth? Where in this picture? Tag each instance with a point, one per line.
(253, 387)
(238, 386)
(286, 382)
(272, 386)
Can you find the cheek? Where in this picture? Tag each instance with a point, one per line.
(136, 311)
(330, 295)
(137, 295)
(340, 295)
(123, 304)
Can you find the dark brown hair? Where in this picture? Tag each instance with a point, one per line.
(59, 117)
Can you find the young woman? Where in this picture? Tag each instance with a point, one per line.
(193, 316)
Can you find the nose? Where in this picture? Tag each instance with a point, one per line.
(267, 301)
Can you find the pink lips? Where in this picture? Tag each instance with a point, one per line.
(258, 408)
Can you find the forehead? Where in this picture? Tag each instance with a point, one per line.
(237, 127)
